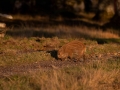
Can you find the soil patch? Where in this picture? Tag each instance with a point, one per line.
(52, 64)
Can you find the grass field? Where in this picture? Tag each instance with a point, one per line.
(28, 59)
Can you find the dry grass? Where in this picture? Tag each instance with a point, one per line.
(22, 50)
(86, 32)
(19, 44)
(95, 75)
(27, 50)
(91, 76)
(82, 79)
(62, 31)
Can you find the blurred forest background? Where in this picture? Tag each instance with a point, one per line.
(103, 10)
(60, 7)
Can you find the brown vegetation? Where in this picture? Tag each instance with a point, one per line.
(28, 56)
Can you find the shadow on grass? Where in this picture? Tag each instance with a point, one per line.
(111, 40)
(63, 33)
(30, 33)
(53, 54)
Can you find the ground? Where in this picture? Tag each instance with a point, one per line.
(26, 55)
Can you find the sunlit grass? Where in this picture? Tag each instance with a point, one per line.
(30, 17)
(93, 75)
(28, 44)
